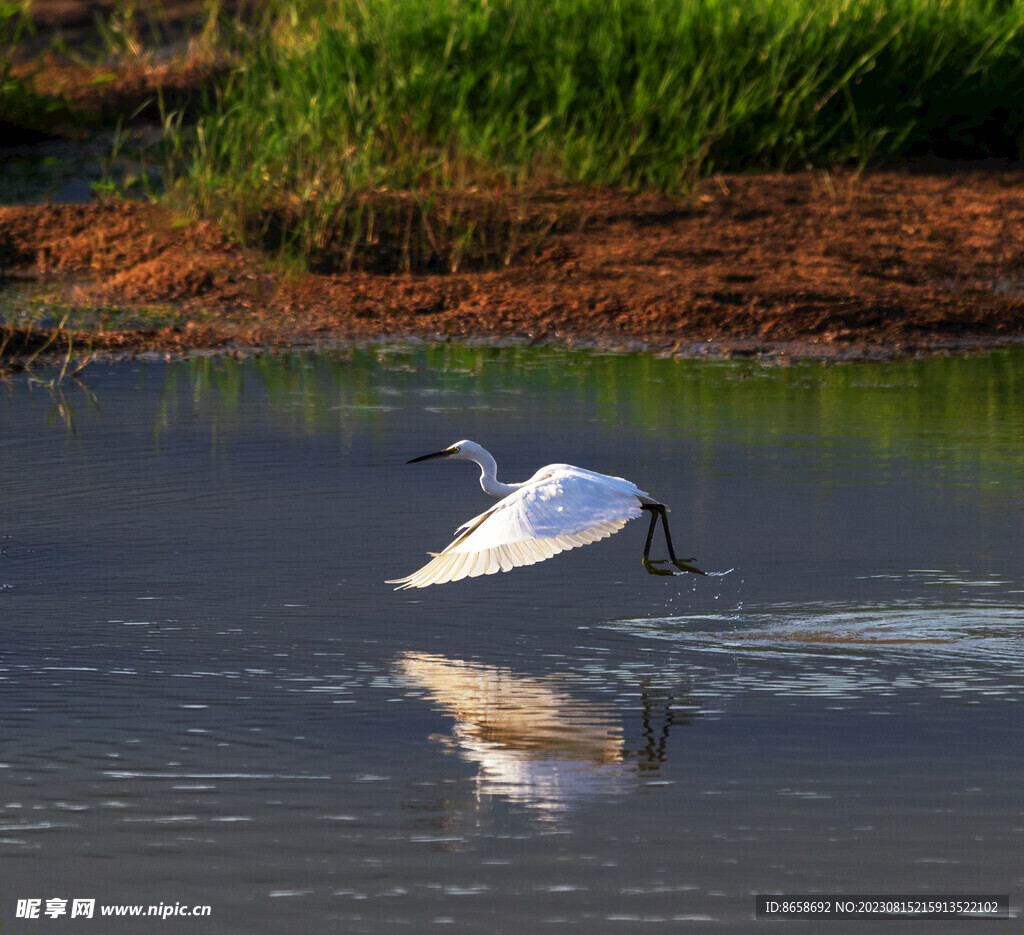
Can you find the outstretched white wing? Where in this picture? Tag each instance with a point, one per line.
(559, 508)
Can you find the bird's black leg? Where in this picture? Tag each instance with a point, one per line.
(648, 564)
(683, 564)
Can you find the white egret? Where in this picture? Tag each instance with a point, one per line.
(559, 508)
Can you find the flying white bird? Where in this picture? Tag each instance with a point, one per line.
(559, 508)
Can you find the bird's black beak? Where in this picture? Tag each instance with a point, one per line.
(436, 454)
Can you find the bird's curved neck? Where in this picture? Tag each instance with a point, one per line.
(489, 477)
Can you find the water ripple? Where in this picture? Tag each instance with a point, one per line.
(837, 651)
(992, 633)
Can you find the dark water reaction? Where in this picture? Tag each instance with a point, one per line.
(211, 697)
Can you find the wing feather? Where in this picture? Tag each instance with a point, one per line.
(560, 508)
(462, 562)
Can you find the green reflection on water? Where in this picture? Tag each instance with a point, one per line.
(963, 417)
(966, 413)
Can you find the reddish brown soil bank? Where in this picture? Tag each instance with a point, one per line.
(832, 264)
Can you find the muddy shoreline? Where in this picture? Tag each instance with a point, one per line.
(835, 266)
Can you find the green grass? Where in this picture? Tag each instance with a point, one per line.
(18, 99)
(416, 132)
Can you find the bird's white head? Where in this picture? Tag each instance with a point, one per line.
(465, 449)
(471, 451)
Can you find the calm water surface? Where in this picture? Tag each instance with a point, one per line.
(211, 697)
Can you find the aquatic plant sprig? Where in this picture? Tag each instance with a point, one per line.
(15, 359)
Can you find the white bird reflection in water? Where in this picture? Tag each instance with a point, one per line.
(534, 742)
